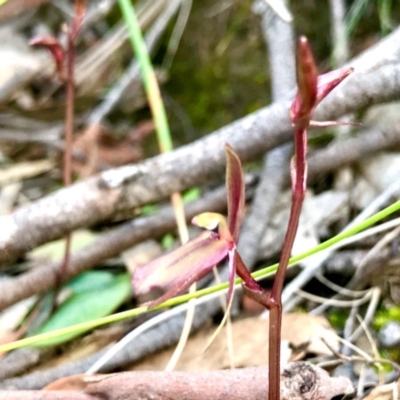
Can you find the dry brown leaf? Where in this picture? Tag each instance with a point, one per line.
(385, 392)
(300, 328)
(250, 344)
(99, 149)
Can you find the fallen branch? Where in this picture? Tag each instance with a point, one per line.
(353, 149)
(298, 381)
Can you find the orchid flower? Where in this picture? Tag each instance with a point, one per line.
(53, 45)
(177, 270)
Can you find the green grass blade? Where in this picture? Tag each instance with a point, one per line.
(385, 14)
(354, 15)
(200, 293)
(148, 75)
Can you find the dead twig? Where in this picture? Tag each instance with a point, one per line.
(367, 360)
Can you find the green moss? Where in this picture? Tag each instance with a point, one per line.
(386, 315)
(338, 318)
(220, 71)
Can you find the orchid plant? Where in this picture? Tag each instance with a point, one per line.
(176, 271)
(64, 60)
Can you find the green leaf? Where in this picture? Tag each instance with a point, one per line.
(85, 306)
(385, 9)
(91, 280)
(354, 15)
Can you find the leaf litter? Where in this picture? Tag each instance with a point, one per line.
(300, 331)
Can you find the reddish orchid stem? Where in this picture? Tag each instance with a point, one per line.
(68, 75)
(274, 300)
(69, 110)
(311, 90)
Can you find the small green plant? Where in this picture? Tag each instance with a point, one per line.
(177, 270)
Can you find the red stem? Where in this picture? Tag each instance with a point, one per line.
(69, 135)
(274, 300)
(69, 111)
